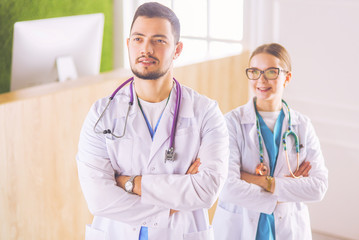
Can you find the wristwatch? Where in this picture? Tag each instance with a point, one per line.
(129, 184)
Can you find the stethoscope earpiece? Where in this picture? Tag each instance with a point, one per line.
(106, 131)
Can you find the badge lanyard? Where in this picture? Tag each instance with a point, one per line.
(152, 131)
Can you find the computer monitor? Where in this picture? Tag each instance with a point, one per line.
(56, 49)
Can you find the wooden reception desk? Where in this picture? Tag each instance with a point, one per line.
(40, 195)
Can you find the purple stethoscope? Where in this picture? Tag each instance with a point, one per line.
(169, 153)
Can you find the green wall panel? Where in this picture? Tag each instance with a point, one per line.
(12, 11)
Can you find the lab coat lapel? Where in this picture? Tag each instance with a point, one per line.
(249, 118)
(281, 161)
(139, 123)
(254, 138)
(255, 142)
(163, 133)
(140, 127)
(164, 128)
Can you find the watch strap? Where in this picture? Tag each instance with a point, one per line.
(131, 180)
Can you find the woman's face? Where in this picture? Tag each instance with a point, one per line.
(268, 90)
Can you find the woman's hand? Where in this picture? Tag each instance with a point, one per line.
(303, 170)
(261, 181)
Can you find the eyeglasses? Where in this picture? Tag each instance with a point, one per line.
(269, 74)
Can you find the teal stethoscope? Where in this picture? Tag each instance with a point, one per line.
(262, 169)
(169, 153)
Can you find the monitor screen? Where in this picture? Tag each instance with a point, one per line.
(56, 49)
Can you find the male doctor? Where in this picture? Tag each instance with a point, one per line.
(133, 189)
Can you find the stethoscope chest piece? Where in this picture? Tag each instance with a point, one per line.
(170, 155)
(261, 169)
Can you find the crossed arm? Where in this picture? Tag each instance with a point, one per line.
(172, 191)
(262, 181)
(122, 179)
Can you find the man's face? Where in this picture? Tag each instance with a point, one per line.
(151, 47)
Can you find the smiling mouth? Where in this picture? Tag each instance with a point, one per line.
(263, 89)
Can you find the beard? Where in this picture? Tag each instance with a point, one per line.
(149, 75)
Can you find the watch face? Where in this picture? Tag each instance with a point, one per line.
(128, 186)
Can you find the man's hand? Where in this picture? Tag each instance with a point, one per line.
(122, 179)
(193, 169)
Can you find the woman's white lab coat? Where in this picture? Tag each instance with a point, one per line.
(201, 133)
(241, 203)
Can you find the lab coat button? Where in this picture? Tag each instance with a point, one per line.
(144, 224)
(155, 224)
(153, 169)
(134, 229)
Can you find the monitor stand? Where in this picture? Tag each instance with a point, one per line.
(66, 69)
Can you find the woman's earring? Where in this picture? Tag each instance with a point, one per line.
(285, 83)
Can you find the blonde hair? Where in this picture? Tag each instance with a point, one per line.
(277, 51)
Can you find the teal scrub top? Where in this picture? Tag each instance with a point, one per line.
(266, 226)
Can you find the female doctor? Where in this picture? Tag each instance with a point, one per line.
(275, 159)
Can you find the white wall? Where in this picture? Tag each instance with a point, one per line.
(322, 37)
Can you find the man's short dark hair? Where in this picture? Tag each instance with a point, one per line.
(153, 10)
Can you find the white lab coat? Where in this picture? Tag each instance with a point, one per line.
(241, 203)
(201, 133)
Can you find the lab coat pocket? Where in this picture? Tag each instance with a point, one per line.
(230, 223)
(283, 216)
(120, 152)
(94, 234)
(202, 235)
(301, 219)
(292, 221)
